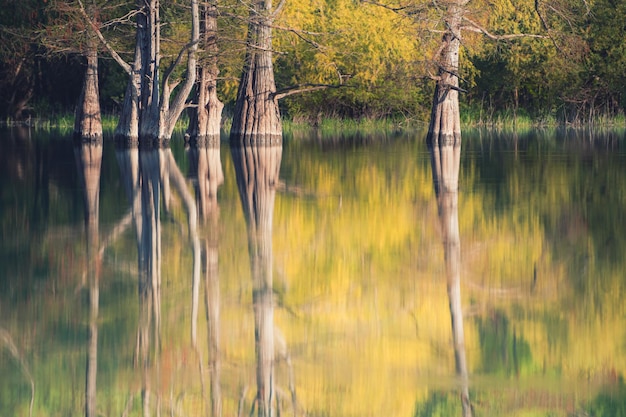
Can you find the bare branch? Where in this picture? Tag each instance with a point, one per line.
(302, 88)
(125, 66)
(121, 20)
(386, 6)
(278, 9)
(299, 33)
(475, 27)
(174, 64)
(543, 21)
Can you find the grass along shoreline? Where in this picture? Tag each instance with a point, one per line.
(506, 121)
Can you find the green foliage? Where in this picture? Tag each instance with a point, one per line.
(612, 403)
(368, 50)
(439, 404)
(503, 350)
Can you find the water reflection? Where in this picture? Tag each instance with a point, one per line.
(207, 175)
(147, 174)
(445, 164)
(257, 166)
(88, 156)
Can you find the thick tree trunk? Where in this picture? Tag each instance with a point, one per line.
(256, 111)
(445, 123)
(445, 162)
(205, 118)
(87, 119)
(257, 168)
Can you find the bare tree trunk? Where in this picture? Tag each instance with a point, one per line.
(147, 112)
(170, 110)
(256, 110)
(149, 126)
(128, 123)
(257, 168)
(445, 159)
(445, 123)
(87, 119)
(205, 118)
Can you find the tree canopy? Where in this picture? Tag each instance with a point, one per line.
(380, 53)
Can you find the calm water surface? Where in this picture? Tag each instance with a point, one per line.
(366, 276)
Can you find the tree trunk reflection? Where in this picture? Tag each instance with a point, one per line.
(257, 167)
(445, 160)
(206, 171)
(140, 172)
(147, 174)
(88, 157)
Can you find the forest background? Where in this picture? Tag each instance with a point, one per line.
(378, 54)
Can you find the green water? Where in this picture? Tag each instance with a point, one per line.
(355, 276)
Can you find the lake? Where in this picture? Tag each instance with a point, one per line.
(346, 276)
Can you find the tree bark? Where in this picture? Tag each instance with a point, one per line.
(206, 115)
(87, 118)
(257, 168)
(128, 123)
(445, 124)
(149, 126)
(256, 110)
(149, 113)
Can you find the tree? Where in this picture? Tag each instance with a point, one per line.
(149, 112)
(67, 33)
(19, 51)
(452, 19)
(87, 119)
(206, 114)
(379, 71)
(256, 108)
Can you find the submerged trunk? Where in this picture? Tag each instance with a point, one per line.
(257, 169)
(445, 159)
(87, 119)
(256, 110)
(205, 118)
(445, 124)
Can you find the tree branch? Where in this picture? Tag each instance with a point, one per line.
(125, 66)
(475, 27)
(386, 6)
(302, 88)
(278, 9)
(299, 33)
